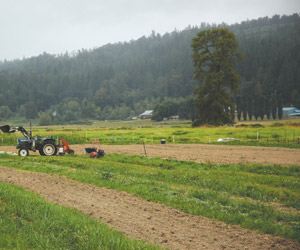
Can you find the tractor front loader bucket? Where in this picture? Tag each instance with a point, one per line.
(5, 128)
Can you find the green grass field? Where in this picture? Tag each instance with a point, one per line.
(283, 134)
(236, 194)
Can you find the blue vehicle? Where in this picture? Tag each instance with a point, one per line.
(45, 146)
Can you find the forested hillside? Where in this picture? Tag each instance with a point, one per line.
(121, 80)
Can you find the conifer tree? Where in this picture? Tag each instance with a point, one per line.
(215, 55)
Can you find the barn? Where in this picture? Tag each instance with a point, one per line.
(146, 115)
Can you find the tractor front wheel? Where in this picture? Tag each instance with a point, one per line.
(48, 149)
(23, 152)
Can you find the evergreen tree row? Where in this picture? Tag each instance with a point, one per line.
(259, 106)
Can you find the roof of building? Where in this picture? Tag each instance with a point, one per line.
(147, 112)
(290, 110)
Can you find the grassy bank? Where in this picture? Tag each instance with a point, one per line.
(29, 222)
(235, 194)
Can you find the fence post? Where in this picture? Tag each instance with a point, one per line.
(285, 137)
(294, 137)
(144, 147)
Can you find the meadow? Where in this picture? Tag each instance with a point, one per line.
(283, 134)
(263, 198)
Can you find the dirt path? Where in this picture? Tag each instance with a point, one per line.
(220, 154)
(141, 219)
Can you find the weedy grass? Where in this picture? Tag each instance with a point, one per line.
(235, 194)
(29, 222)
(286, 135)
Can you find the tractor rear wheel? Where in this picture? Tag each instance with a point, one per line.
(48, 149)
(23, 152)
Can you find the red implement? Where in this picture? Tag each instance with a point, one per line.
(64, 147)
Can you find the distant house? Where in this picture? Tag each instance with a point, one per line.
(174, 117)
(291, 111)
(146, 115)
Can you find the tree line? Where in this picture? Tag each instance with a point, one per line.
(119, 81)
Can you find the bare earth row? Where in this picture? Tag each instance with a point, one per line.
(220, 154)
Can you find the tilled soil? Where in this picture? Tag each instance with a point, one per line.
(220, 154)
(140, 219)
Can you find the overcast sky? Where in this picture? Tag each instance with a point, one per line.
(31, 27)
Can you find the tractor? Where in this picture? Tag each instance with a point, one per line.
(45, 146)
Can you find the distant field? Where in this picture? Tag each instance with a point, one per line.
(284, 133)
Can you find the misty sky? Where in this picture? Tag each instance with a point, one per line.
(31, 27)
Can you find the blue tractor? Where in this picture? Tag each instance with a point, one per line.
(45, 146)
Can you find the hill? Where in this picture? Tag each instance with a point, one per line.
(120, 80)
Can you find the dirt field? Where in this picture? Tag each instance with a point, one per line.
(203, 152)
(214, 153)
(140, 219)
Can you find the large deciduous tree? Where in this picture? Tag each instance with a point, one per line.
(215, 55)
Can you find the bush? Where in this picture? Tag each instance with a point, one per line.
(45, 119)
(5, 112)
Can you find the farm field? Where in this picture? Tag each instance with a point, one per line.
(29, 222)
(190, 193)
(201, 153)
(283, 134)
(176, 204)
